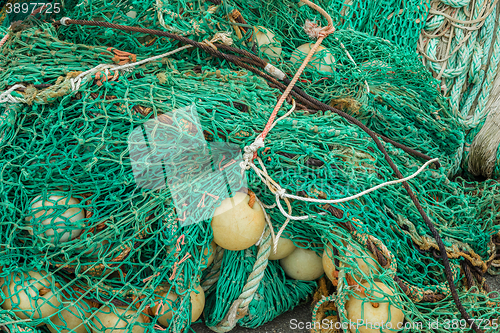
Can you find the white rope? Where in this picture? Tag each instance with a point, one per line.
(6, 96)
(281, 194)
(77, 81)
(138, 63)
(284, 116)
(335, 201)
(270, 225)
(259, 143)
(294, 218)
(249, 151)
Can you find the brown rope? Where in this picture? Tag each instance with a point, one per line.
(252, 199)
(43, 291)
(468, 275)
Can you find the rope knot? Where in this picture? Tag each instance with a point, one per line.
(315, 31)
(328, 30)
(250, 151)
(281, 192)
(223, 37)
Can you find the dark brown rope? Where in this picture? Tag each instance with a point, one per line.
(302, 97)
(468, 274)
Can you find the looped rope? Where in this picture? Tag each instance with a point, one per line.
(322, 34)
(250, 151)
(280, 193)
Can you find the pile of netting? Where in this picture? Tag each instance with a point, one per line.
(115, 165)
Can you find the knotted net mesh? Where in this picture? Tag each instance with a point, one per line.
(99, 234)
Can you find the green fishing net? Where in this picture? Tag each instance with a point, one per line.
(71, 146)
(367, 77)
(397, 21)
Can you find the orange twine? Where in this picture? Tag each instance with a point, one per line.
(329, 29)
(176, 265)
(122, 57)
(4, 39)
(105, 78)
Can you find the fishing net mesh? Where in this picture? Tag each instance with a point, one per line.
(95, 233)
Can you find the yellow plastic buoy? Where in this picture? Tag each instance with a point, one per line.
(65, 224)
(329, 264)
(285, 248)
(303, 264)
(164, 307)
(70, 319)
(322, 59)
(236, 226)
(197, 303)
(365, 261)
(117, 320)
(267, 42)
(29, 295)
(369, 311)
(208, 250)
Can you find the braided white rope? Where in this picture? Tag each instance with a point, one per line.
(213, 274)
(6, 96)
(281, 192)
(239, 308)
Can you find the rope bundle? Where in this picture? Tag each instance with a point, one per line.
(459, 44)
